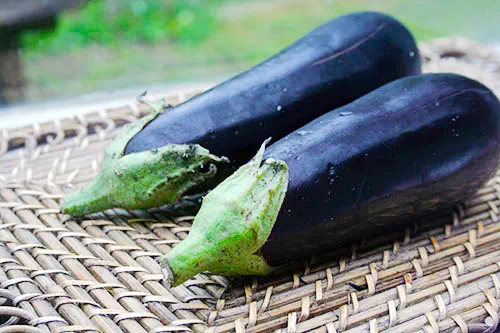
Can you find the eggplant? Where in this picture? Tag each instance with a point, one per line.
(407, 151)
(327, 68)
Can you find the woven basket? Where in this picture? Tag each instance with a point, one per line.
(102, 274)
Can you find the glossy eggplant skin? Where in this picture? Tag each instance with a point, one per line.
(327, 68)
(406, 151)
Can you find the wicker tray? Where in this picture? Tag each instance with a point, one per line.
(101, 274)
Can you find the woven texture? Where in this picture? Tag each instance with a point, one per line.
(101, 274)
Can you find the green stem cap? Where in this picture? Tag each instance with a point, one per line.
(233, 223)
(145, 179)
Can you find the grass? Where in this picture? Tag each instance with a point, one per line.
(220, 40)
(116, 22)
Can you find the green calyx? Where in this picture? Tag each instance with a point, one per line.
(145, 179)
(233, 223)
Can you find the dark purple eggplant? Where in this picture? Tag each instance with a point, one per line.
(327, 68)
(409, 150)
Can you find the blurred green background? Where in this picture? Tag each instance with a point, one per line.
(116, 44)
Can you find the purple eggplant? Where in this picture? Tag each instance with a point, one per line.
(407, 151)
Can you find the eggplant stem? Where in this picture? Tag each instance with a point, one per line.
(234, 222)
